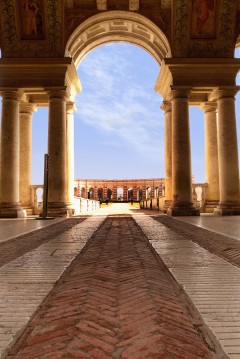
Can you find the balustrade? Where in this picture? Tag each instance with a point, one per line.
(85, 205)
(80, 204)
(198, 193)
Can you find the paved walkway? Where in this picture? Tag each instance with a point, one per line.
(111, 285)
(228, 225)
(19, 226)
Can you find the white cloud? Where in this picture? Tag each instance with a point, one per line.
(112, 100)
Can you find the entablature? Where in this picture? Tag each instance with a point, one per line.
(199, 76)
(33, 77)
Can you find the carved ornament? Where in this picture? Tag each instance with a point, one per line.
(102, 5)
(133, 5)
(180, 36)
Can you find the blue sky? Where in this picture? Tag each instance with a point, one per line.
(119, 126)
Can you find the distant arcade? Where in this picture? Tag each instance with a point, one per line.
(119, 190)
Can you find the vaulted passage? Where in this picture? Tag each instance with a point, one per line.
(42, 47)
(117, 282)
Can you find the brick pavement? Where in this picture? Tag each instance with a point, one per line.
(22, 244)
(221, 245)
(27, 280)
(116, 300)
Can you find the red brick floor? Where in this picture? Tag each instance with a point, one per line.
(116, 300)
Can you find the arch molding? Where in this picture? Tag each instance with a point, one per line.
(117, 26)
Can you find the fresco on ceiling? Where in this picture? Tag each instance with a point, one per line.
(203, 19)
(32, 19)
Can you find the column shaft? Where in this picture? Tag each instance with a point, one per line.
(9, 165)
(166, 106)
(181, 158)
(26, 110)
(228, 155)
(57, 190)
(211, 156)
(125, 193)
(114, 192)
(70, 154)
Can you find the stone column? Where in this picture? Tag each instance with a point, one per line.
(9, 164)
(104, 191)
(95, 192)
(144, 190)
(227, 153)
(26, 110)
(57, 179)
(211, 156)
(182, 204)
(70, 154)
(135, 193)
(125, 193)
(114, 192)
(167, 107)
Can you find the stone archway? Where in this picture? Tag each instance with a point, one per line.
(193, 71)
(100, 194)
(130, 194)
(109, 194)
(120, 194)
(115, 26)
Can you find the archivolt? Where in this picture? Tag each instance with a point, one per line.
(115, 26)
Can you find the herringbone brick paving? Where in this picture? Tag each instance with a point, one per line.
(116, 300)
(22, 244)
(219, 244)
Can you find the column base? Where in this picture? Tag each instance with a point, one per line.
(28, 208)
(228, 209)
(167, 204)
(11, 210)
(210, 206)
(183, 209)
(29, 211)
(59, 209)
(71, 208)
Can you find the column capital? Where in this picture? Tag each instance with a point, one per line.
(180, 92)
(57, 92)
(223, 92)
(27, 107)
(12, 94)
(166, 106)
(208, 106)
(70, 106)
